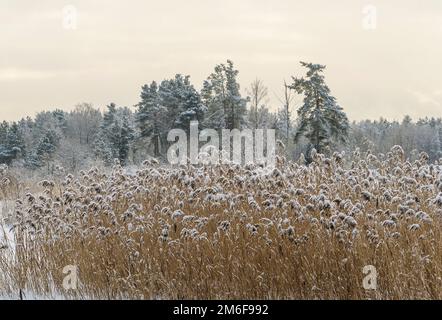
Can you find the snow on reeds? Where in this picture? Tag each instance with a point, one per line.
(226, 231)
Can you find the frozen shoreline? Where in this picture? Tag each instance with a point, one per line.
(7, 241)
(7, 246)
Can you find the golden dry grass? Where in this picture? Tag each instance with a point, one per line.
(231, 232)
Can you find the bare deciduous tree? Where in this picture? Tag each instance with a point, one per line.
(258, 96)
(85, 122)
(286, 102)
(287, 106)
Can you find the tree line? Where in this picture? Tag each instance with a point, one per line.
(87, 136)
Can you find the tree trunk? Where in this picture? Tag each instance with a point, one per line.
(157, 146)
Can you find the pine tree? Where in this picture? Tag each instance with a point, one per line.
(191, 106)
(182, 102)
(321, 119)
(215, 117)
(226, 107)
(172, 104)
(150, 116)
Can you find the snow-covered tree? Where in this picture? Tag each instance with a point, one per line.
(258, 94)
(120, 138)
(321, 120)
(15, 140)
(4, 149)
(182, 102)
(84, 122)
(151, 116)
(11, 142)
(102, 148)
(44, 150)
(172, 104)
(115, 136)
(221, 94)
(215, 117)
(284, 118)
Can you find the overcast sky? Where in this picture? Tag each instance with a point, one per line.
(117, 46)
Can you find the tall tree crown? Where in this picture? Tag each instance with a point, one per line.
(320, 119)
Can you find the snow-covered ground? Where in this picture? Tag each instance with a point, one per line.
(7, 246)
(7, 243)
(6, 235)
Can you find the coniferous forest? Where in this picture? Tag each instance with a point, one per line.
(92, 135)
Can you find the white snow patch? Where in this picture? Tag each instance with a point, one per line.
(7, 240)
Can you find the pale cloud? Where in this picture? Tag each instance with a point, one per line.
(427, 98)
(118, 46)
(11, 74)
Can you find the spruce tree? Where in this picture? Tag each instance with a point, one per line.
(102, 148)
(44, 150)
(15, 141)
(12, 145)
(115, 136)
(4, 149)
(125, 136)
(320, 119)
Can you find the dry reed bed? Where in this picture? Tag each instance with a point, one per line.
(229, 232)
